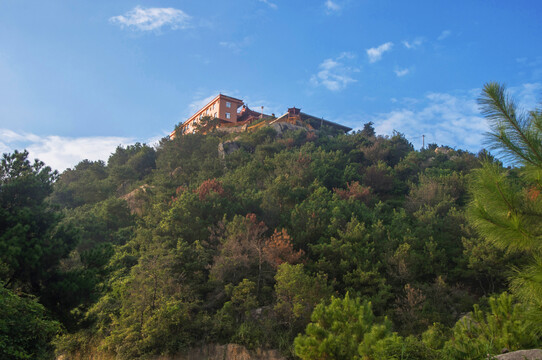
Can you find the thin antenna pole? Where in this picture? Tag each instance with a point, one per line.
(423, 141)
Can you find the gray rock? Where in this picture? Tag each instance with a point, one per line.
(281, 127)
(227, 147)
(534, 354)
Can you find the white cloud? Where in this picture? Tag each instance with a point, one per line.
(332, 6)
(528, 95)
(237, 46)
(417, 42)
(445, 119)
(443, 35)
(375, 54)
(60, 152)
(335, 74)
(10, 136)
(401, 72)
(147, 19)
(452, 119)
(269, 3)
(4, 148)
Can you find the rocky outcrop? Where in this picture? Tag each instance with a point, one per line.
(227, 147)
(135, 199)
(281, 127)
(534, 354)
(233, 129)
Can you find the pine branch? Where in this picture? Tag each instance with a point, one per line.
(508, 130)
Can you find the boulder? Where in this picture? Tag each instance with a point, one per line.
(227, 147)
(534, 354)
(135, 199)
(281, 127)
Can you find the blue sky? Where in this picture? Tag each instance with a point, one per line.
(78, 78)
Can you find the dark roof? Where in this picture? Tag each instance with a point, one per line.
(317, 122)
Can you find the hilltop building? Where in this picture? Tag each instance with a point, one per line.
(295, 114)
(225, 109)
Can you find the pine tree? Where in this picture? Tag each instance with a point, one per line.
(506, 205)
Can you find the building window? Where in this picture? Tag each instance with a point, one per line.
(228, 115)
(215, 114)
(228, 104)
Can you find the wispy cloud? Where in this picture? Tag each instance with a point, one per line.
(401, 72)
(531, 67)
(451, 119)
(148, 19)
(416, 43)
(443, 35)
(269, 3)
(332, 7)
(445, 119)
(375, 54)
(237, 46)
(336, 73)
(528, 95)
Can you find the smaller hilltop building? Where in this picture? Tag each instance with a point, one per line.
(226, 110)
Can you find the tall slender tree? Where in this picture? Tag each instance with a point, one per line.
(506, 205)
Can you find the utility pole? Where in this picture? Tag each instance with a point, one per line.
(261, 116)
(423, 141)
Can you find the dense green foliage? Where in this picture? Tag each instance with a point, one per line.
(503, 326)
(355, 245)
(32, 243)
(25, 329)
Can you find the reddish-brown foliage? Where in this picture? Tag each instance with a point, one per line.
(242, 247)
(354, 190)
(303, 159)
(311, 136)
(208, 186)
(533, 193)
(178, 192)
(279, 249)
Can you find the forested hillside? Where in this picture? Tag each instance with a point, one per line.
(163, 249)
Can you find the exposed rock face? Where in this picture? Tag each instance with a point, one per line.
(227, 147)
(534, 354)
(225, 352)
(135, 200)
(233, 129)
(281, 127)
